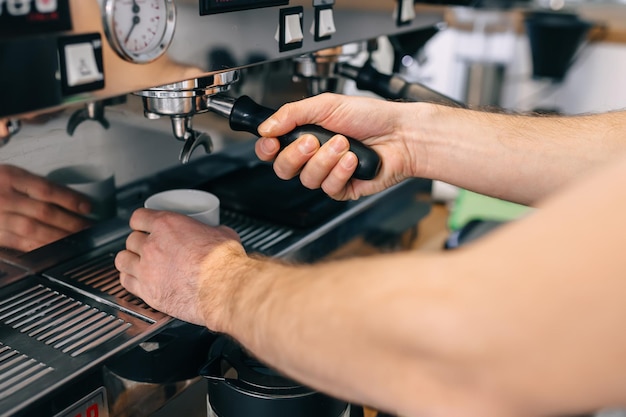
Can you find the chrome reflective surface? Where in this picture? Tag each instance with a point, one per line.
(204, 45)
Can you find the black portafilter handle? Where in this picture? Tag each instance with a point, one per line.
(246, 116)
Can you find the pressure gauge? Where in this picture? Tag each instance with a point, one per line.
(139, 31)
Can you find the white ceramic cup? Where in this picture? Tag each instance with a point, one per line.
(197, 204)
(95, 181)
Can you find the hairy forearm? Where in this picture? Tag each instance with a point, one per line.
(528, 321)
(550, 289)
(338, 330)
(514, 157)
(407, 321)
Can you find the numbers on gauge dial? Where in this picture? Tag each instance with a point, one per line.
(139, 25)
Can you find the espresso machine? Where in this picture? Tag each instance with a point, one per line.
(142, 84)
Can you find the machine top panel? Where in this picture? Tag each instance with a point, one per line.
(109, 48)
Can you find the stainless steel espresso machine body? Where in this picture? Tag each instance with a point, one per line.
(73, 342)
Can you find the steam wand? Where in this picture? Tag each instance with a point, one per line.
(393, 87)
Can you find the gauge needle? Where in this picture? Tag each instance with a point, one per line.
(136, 21)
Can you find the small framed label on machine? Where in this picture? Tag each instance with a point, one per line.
(223, 6)
(92, 405)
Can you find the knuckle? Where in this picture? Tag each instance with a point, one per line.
(44, 211)
(6, 174)
(44, 189)
(123, 277)
(326, 97)
(289, 108)
(119, 260)
(309, 181)
(282, 172)
(331, 190)
(166, 218)
(5, 239)
(25, 226)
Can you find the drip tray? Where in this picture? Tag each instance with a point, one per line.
(58, 326)
(256, 191)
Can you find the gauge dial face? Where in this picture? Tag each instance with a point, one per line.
(139, 30)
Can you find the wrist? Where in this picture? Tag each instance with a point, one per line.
(442, 138)
(418, 128)
(224, 272)
(241, 295)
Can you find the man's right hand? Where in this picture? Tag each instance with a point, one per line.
(35, 211)
(377, 123)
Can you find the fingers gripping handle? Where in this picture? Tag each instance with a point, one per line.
(369, 161)
(246, 116)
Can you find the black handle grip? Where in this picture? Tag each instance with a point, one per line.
(247, 115)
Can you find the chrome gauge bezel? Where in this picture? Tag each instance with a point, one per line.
(159, 50)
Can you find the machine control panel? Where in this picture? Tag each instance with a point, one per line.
(405, 12)
(81, 63)
(289, 34)
(221, 6)
(93, 405)
(324, 23)
(27, 17)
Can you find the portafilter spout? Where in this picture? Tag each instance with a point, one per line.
(181, 101)
(319, 68)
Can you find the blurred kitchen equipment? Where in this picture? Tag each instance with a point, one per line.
(555, 39)
(240, 385)
(486, 39)
(319, 68)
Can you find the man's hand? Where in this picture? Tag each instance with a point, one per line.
(35, 211)
(376, 123)
(180, 266)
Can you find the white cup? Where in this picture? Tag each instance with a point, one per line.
(95, 181)
(197, 204)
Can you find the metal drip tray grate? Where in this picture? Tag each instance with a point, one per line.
(17, 371)
(59, 321)
(100, 274)
(255, 235)
(51, 333)
(95, 276)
